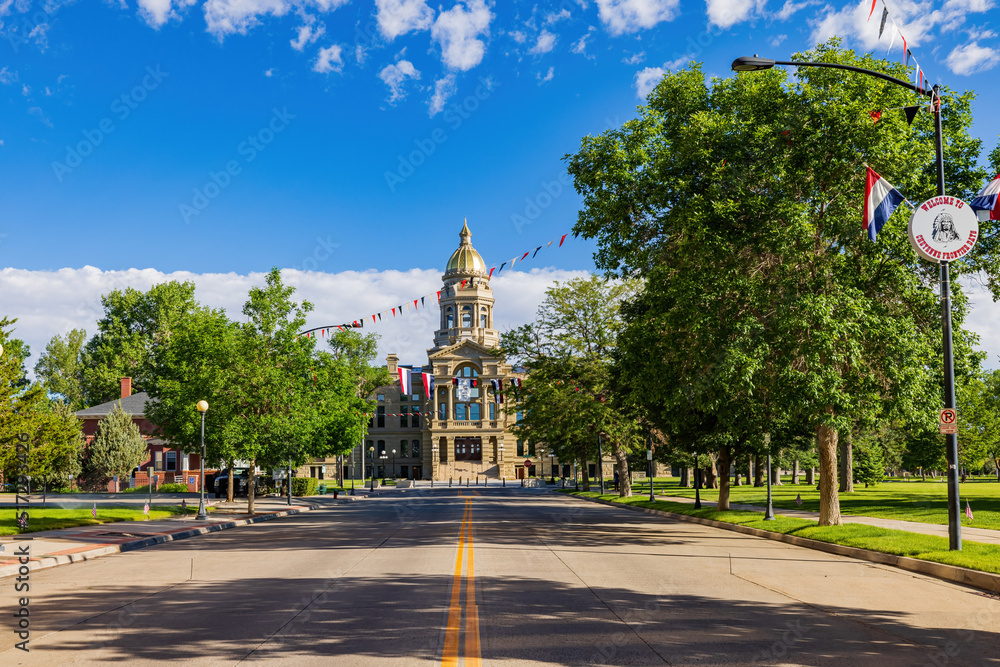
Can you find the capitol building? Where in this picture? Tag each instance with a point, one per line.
(460, 429)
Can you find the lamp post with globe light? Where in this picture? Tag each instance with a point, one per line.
(202, 515)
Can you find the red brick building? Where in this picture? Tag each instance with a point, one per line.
(169, 464)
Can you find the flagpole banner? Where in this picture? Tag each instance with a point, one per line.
(404, 381)
(881, 199)
(987, 202)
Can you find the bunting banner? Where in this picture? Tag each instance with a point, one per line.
(919, 76)
(428, 384)
(421, 301)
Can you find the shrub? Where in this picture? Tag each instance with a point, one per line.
(162, 488)
(304, 486)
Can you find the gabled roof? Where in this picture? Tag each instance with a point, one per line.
(134, 405)
(452, 349)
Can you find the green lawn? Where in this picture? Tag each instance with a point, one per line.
(924, 502)
(974, 555)
(51, 518)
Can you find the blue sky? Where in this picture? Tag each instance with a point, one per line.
(223, 137)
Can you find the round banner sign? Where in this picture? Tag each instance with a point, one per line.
(943, 229)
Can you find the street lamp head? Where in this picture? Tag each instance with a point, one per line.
(752, 63)
(202, 407)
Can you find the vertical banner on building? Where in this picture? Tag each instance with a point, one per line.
(404, 382)
(428, 385)
(464, 392)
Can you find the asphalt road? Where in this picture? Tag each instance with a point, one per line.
(473, 576)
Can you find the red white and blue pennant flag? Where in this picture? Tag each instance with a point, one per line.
(428, 384)
(987, 202)
(404, 382)
(881, 199)
(968, 510)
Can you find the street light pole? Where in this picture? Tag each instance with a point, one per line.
(600, 462)
(697, 483)
(756, 63)
(649, 466)
(769, 512)
(372, 487)
(202, 515)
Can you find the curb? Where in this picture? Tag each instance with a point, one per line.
(66, 559)
(959, 575)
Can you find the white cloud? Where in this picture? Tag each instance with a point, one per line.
(790, 8)
(48, 303)
(396, 75)
(518, 36)
(555, 18)
(969, 6)
(224, 17)
(398, 17)
(158, 12)
(777, 40)
(913, 17)
(546, 42)
(307, 34)
(625, 16)
(457, 30)
(25, 89)
(971, 58)
(329, 60)
(646, 79)
(38, 113)
(580, 46)
(444, 88)
(635, 58)
(7, 77)
(548, 76)
(269, 72)
(727, 13)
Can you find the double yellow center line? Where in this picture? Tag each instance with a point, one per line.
(473, 649)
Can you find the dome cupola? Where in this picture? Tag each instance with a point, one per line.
(465, 260)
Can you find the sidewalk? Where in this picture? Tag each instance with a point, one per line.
(984, 535)
(51, 548)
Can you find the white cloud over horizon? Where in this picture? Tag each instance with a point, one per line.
(47, 303)
(627, 16)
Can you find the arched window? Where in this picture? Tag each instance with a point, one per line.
(466, 316)
(482, 317)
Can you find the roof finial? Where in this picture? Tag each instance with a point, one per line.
(465, 234)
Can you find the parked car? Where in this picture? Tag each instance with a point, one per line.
(241, 482)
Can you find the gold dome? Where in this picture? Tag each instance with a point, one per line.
(466, 259)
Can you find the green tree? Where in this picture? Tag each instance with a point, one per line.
(54, 433)
(61, 367)
(568, 351)
(133, 323)
(739, 201)
(118, 446)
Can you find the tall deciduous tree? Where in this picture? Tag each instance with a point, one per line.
(566, 401)
(60, 367)
(133, 323)
(739, 200)
(53, 431)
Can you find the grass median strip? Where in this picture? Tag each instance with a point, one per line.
(974, 555)
(54, 518)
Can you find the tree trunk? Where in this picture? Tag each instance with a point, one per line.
(624, 486)
(811, 476)
(777, 476)
(585, 473)
(724, 460)
(738, 480)
(758, 471)
(685, 477)
(711, 478)
(749, 468)
(795, 471)
(829, 501)
(251, 483)
(230, 487)
(847, 465)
